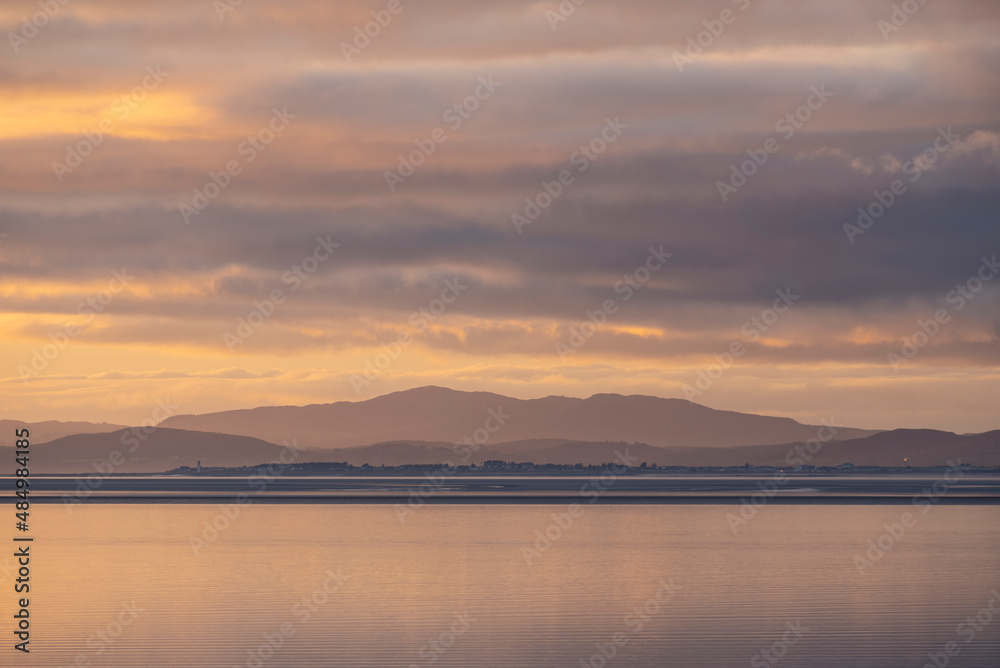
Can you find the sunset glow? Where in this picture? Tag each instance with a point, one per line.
(277, 131)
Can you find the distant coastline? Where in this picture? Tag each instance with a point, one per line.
(415, 486)
(529, 469)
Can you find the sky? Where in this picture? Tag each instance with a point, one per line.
(788, 208)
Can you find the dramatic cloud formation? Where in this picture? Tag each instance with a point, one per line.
(235, 204)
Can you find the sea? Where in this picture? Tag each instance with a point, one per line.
(320, 585)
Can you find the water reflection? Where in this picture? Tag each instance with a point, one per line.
(309, 585)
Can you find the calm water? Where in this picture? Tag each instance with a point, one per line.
(457, 575)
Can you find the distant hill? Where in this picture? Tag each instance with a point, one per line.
(900, 447)
(443, 415)
(913, 447)
(153, 452)
(420, 427)
(165, 449)
(52, 429)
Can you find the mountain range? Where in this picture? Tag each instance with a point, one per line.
(433, 425)
(52, 429)
(441, 414)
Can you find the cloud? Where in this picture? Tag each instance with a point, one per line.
(325, 176)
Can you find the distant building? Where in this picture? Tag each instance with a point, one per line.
(846, 466)
(199, 466)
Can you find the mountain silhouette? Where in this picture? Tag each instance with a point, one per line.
(441, 414)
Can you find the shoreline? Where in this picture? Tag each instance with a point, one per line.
(730, 500)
